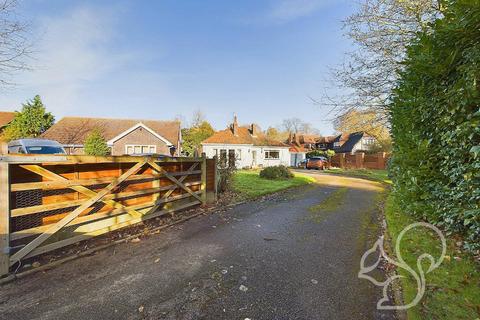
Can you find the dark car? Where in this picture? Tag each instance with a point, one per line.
(319, 163)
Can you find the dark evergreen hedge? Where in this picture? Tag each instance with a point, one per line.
(435, 121)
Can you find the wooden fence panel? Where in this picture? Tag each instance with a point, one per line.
(360, 161)
(50, 202)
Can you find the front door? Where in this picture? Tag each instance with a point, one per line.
(254, 158)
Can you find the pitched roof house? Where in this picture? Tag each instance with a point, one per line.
(124, 136)
(247, 146)
(347, 143)
(300, 145)
(5, 118)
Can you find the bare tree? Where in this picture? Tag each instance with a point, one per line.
(307, 128)
(197, 118)
(15, 46)
(296, 125)
(381, 31)
(292, 125)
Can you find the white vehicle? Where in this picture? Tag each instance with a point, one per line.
(35, 146)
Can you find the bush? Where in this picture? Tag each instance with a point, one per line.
(435, 121)
(276, 173)
(95, 144)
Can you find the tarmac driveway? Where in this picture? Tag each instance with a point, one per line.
(294, 255)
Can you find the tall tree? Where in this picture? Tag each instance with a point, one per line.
(95, 144)
(197, 118)
(366, 121)
(31, 122)
(292, 125)
(380, 30)
(15, 46)
(192, 137)
(296, 125)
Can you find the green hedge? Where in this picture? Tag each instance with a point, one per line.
(435, 121)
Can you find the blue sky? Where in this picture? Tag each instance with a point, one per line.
(260, 59)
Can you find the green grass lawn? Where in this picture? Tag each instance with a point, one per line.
(452, 290)
(248, 184)
(376, 175)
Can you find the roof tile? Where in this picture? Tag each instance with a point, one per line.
(74, 130)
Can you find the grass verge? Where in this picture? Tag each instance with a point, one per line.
(248, 184)
(452, 290)
(375, 175)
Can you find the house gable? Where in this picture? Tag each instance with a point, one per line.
(136, 139)
(134, 128)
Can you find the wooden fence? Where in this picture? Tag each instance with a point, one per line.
(48, 202)
(360, 161)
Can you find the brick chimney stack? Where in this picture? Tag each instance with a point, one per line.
(235, 125)
(254, 130)
(296, 138)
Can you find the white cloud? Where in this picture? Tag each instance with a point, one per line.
(72, 51)
(285, 10)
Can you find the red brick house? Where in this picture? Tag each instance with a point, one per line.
(124, 136)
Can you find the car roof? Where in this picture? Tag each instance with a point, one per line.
(34, 143)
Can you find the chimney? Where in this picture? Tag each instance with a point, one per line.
(254, 130)
(290, 137)
(297, 139)
(235, 125)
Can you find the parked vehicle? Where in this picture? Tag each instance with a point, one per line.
(35, 146)
(302, 164)
(319, 163)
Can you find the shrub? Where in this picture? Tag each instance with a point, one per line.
(95, 144)
(275, 173)
(435, 121)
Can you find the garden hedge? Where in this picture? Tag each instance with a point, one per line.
(435, 122)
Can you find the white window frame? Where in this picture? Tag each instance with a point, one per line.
(268, 152)
(369, 141)
(149, 146)
(336, 144)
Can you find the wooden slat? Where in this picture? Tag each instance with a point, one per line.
(203, 188)
(89, 235)
(67, 219)
(75, 159)
(167, 194)
(62, 184)
(4, 218)
(173, 179)
(96, 216)
(89, 193)
(73, 203)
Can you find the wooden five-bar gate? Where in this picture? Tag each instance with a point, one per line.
(48, 202)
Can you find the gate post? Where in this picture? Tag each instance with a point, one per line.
(342, 160)
(204, 179)
(359, 160)
(215, 174)
(4, 218)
